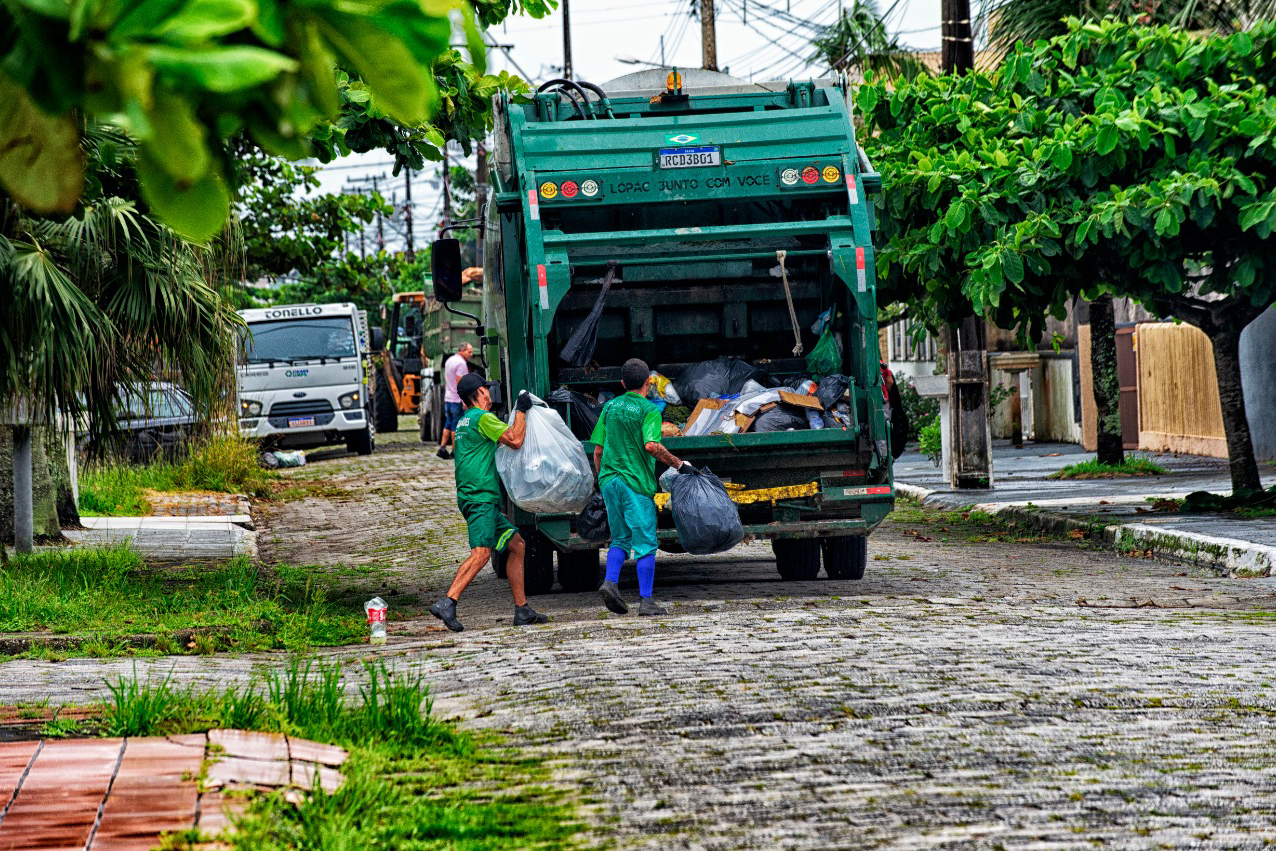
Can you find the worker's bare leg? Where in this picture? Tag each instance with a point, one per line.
(514, 569)
(469, 569)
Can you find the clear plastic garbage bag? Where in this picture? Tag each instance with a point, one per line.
(704, 515)
(550, 473)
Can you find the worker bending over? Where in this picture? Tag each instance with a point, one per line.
(626, 448)
(478, 495)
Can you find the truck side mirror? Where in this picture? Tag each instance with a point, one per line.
(378, 339)
(445, 269)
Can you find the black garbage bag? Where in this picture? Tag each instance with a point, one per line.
(584, 411)
(704, 515)
(780, 419)
(830, 389)
(591, 524)
(721, 377)
(580, 346)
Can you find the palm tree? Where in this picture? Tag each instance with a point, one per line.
(106, 299)
(1029, 20)
(858, 42)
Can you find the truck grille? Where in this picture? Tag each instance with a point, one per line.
(305, 407)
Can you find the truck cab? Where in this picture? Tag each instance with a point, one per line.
(303, 377)
(736, 216)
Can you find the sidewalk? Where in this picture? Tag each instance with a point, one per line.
(1118, 511)
(198, 528)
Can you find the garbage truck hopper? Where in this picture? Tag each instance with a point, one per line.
(735, 221)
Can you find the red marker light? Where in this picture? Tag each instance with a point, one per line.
(569, 188)
(810, 174)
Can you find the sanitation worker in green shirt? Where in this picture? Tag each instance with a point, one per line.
(478, 495)
(627, 447)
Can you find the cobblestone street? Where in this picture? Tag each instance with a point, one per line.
(968, 693)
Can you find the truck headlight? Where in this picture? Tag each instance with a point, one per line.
(350, 400)
(249, 408)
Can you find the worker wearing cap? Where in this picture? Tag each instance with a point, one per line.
(478, 495)
(626, 448)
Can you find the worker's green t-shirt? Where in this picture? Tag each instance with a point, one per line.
(625, 427)
(476, 434)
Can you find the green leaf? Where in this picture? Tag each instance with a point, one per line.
(178, 138)
(1062, 157)
(1243, 43)
(1012, 266)
(220, 69)
(398, 83)
(197, 211)
(200, 20)
(957, 216)
(41, 164)
(866, 98)
(1107, 140)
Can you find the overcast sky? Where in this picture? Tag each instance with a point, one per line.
(756, 40)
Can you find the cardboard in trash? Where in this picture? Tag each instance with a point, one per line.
(801, 400)
(702, 406)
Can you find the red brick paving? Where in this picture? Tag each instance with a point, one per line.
(120, 795)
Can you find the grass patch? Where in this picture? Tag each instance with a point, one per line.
(226, 464)
(1095, 470)
(111, 592)
(927, 523)
(411, 781)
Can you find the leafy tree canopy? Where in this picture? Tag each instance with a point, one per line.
(180, 76)
(1117, 158)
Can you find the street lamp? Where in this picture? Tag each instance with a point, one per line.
(629, 60)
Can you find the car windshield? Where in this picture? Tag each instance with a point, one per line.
(300, 339)
(157, 402)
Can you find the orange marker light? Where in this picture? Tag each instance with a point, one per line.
(674, 81)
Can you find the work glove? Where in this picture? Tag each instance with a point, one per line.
(524, 402)
(686, 468)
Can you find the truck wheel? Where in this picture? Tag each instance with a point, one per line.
(845, 558)
(797, 559)
(580, 570)
(362, 441)
(437, 429)
(383, 407)
(538, 563)
(426, 423)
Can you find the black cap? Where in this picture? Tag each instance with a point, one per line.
(470, 384)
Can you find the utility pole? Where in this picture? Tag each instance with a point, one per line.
(360, 185)
(969, 427)
(447, 191)
(407, 212)
(708, 36)
(662, 52)
(958, 53)
(480, 196)
(567, 42)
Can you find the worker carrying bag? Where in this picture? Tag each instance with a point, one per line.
(704, 515)
(549, 473)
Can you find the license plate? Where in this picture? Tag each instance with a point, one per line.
(300, 422)
(690, 157)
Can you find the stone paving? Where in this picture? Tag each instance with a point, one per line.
(968, 693)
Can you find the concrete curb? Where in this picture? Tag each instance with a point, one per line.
(1228, 556)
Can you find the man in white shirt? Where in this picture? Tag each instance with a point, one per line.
(453, 369)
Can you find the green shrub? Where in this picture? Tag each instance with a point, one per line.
(921, 410)
(932, 441)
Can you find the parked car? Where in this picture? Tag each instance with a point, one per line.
(158, 419)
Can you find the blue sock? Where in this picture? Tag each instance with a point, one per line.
(646, 574)
(615, 560)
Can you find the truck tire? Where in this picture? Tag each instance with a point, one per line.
(845, 558)
(361, 442)
(426, 423)
(538, 563)
(383, 407)
(580, 570)
(797, 559)
(439, 416)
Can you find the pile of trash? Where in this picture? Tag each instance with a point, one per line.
(724, 396)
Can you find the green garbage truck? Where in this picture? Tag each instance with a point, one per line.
(723, 219)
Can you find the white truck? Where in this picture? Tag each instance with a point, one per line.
(303, 377)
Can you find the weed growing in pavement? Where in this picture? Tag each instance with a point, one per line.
(61, 728)
(109, 593)
(140, 709)
(411, 781)
(226, 464)
(1095, 470)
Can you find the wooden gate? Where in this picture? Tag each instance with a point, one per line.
(1128, 379)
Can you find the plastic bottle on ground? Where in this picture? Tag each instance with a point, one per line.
(376, 620)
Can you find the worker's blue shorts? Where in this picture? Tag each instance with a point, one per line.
(631, 518)
(452, 412)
